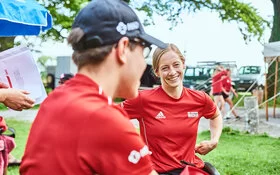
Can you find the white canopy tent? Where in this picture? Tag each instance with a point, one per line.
(272, 53)
(272, 49)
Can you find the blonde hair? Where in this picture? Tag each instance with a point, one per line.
(159, 52)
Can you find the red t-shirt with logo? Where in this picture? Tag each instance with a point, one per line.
(217, 82)
(169, 126)
(227, 83)
(79, 131)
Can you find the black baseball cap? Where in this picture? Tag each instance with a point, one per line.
(105, 22)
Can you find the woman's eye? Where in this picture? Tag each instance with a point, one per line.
(177, 65)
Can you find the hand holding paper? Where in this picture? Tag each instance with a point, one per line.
(16, 99)
(18, 70)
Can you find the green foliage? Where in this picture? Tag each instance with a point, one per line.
(6, 43)
(275, 34)
(249, 21)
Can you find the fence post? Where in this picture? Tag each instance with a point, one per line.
(252, 114)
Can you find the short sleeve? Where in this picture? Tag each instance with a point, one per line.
(133, 107)
(210, 107)
(113, 146)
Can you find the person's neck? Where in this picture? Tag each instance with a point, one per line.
(174, 92)
(104, 78)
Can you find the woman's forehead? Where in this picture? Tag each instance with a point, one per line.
(169, 57)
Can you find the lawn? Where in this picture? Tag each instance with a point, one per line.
(237, 153)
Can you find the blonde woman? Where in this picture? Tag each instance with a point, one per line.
(169, 116)
(217, 87)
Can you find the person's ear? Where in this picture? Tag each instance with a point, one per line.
(156, 73)
(121, 49)
(184, 65)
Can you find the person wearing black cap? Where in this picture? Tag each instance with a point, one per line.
(78, 128)
(64, 77)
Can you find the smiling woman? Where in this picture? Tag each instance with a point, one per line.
(169, 116)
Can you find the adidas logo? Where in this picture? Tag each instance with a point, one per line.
(160, 115)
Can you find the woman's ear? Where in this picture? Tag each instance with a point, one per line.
(121, 50)
(156, 73)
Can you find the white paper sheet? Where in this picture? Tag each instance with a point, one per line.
(19, 70)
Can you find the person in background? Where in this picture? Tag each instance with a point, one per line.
(78, 128)
(17, 100)
(169, 116)
(217, 87)
(64, 77)
(227, 89)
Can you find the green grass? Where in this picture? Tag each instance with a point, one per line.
(248, 94)
(244, 154)
(3, 107)
(237, 153)
(22, 129)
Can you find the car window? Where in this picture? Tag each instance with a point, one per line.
(241, 70)
(247, 70)
(255, 70)
(199, 72)
(189, 72)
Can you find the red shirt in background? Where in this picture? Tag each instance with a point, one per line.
(169, 126)
(79, 131)
(217, 82)
(227, 83)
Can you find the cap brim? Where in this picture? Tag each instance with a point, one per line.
(152, 40)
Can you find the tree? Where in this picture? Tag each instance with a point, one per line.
(275, 36)
(250, 23)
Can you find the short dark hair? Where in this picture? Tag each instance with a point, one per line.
(89, 56)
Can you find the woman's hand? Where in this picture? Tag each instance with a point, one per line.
(205, 147)
(16, 99)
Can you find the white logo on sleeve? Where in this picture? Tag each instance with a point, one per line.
(135, 156)
(160, 115)
(192, 114)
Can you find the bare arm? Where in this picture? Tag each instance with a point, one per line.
(233, 91)
(16, 99)
(153, 173)
(216, 126)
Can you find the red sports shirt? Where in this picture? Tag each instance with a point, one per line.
(169, 126)
(217, 82)
(79, 131)
(227, 83)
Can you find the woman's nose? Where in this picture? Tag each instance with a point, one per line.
(172, 71)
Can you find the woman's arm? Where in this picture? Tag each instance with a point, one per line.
(216, 126)
(233, 91)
